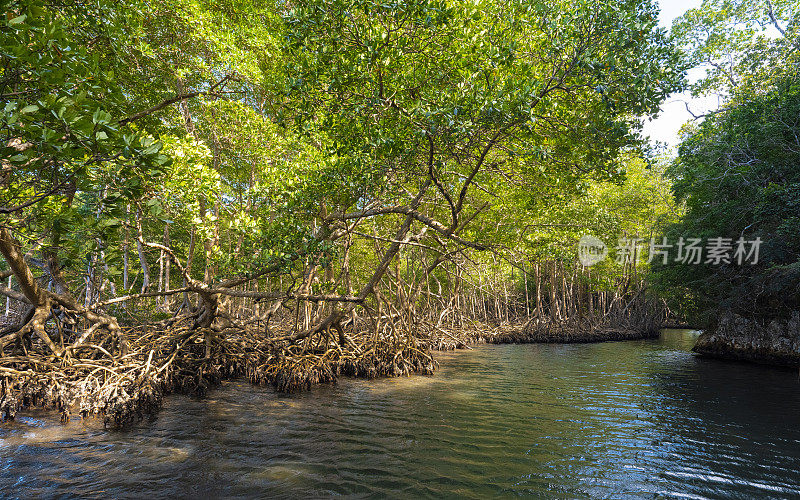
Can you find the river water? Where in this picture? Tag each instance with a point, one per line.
(618, 419)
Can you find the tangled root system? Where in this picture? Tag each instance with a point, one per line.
(179, 359)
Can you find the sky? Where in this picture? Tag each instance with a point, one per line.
(673, 112)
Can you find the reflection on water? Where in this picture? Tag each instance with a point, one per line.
(636, 419)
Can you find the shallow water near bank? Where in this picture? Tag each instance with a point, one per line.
(638, 418)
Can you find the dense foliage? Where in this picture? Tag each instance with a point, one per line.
(737, 171)
(245, 137)
(738, 175)
(196, 190)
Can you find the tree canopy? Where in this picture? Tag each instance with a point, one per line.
(736, 171)
(241, 175)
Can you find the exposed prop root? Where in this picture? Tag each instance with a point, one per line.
(90, 380)
(124, 375)
(637, 318)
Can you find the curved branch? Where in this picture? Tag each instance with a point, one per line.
(417, 215)
(172, 100)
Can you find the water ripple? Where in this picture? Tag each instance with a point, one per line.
(612, 420)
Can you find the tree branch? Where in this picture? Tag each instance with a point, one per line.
(173, 100)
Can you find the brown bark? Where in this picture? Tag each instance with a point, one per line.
(10, 249)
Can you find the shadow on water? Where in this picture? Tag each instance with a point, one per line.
(622, 419)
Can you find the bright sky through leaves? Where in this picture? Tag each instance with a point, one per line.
(673, 111)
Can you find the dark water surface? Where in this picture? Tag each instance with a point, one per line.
(619, 419)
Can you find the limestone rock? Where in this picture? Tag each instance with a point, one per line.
(736, 337)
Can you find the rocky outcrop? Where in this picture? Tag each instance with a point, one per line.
(735, 337)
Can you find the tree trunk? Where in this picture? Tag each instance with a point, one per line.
(145, 267)
(10, 249)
